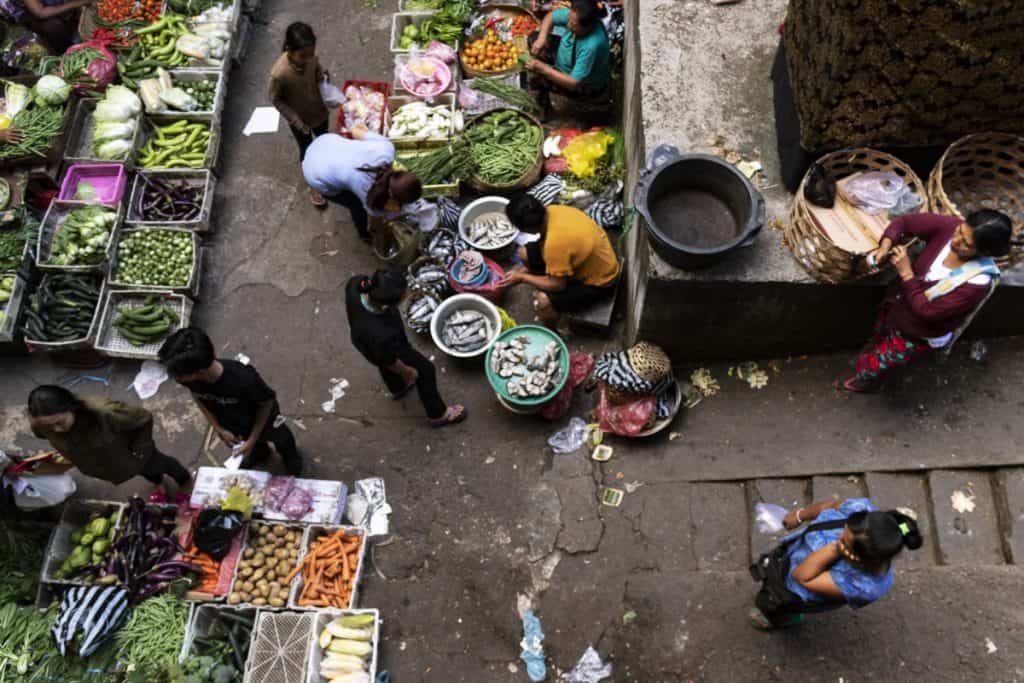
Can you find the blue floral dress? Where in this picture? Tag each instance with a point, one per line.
(859, 587)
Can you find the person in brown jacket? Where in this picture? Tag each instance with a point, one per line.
(103, 438)
(295, 91)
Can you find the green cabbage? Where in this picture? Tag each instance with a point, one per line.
(52, 90)
(16, 97)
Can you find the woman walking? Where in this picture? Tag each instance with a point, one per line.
(295, 91)
(844, 558)
(105, 439)
(359, 174)
(377, 332)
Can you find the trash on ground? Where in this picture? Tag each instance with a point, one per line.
(612, 497)
(703, 381)
(979, 350)
(629, 617)
(769, 518)
(632, 486)
(590, 669)
(533, 648)
(963, 502)
(338, 387)
(242, 358)
(602, 453)
(151, 375)
(990, 646)
(569, 439)
(751, 373)
(262, 120)
(367, 506)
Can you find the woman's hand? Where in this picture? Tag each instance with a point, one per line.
(533, 65)
(538, 45)
(900, 260)
(790, 521)
(513, 277)
(359, 131)
(11, 136)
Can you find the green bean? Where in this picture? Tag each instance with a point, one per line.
(151, 639)
(39, 125)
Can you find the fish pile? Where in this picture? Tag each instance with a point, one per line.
(491, 230)
(421, 311)
(441, 246)
(527, 378)
(471, 266)
(466, 330)
(428, 275)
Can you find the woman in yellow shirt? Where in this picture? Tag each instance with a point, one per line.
(571, 265)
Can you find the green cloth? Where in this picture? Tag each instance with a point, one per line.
(592, 66)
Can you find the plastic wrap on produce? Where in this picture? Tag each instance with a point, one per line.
(364, 105)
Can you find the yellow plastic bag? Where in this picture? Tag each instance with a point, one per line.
(507, 321)
(583, 152)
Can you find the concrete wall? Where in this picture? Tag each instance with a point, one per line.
(635, 248)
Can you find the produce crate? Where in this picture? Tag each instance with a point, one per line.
(399, 20)
(56, 150)
(195, 178)
(185, 522)
(279, 647)
(87, 23)
(193, 76)
(79, 141)
(251, 534)
(403, 6)
(323, 617)
(449, 189)
(313, 532)
(395, 102)
(109, 340)
(85, 342)
(212, 149)
(403, 59)
(12, 309)
(76, 514)
(191, 288)
(57, 212)
(202, 623)
(108, 179)
(379, 86)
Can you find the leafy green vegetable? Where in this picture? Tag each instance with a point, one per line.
(52, 90)
(16, 96)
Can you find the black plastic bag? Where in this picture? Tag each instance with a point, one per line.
(820, 189)
(216, 529)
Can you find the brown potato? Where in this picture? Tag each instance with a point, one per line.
(274, 587)
(249, 552)
(246, 597)
(259, 559)
(276, 602)
(247, 586)
(291, 537)
(280, 530)
(282, 594)
(270, 575)
(259, 601)
(257, 575)
(234, 598)
(245, 571)
(262, 530)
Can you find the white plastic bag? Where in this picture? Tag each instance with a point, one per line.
(769, 518)
(331, 94)
(43, 491)
(874, 192)
(423, 213)
(570, 438)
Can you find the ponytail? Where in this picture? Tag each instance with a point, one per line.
(880, 536)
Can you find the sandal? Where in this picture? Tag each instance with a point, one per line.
(853, 385)
(758, 620)
(453, 415)
(317, 199)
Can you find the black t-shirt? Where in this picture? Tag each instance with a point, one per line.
(235, 397)
(380, 337)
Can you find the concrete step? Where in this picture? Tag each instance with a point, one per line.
(788, 493)
(1010, 496)
(909, 491)
(967, 536)
(837, 488)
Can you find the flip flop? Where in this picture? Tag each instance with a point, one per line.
(850, 384)
(758, 620)
(317, 199)
(454, 415)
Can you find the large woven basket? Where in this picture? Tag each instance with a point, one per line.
(529, 177)
(813, 250)
(982, 171)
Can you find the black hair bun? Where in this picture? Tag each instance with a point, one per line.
(912, 538)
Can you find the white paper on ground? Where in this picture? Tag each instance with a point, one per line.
(263, 120)
(151, 375)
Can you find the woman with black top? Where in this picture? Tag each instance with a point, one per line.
(378, 333)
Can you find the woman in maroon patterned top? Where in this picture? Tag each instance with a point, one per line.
(936, 295)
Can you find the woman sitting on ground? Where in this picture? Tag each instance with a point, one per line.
(849, 565)
(935, 297)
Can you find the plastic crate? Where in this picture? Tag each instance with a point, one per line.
(202, 623)
(449, 189)
(55, 215)
(399, 20)
(109, 340)
(79, 141)
(190, 288)
(395, 102)
(483, 102)
(313, 532)
(56, 148)
(192, 76)
(379, 86)
(316, 655)
(212, 148)
(87, 23)
(109, 180)
(85, 342)
(76, 515)
(250, 536)
(279, 647)
(198, 178)
(11, 309)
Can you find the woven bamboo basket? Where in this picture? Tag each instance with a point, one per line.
(529, 177)
(813, 250)
(982, 171)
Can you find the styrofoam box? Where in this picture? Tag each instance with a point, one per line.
(316, 655)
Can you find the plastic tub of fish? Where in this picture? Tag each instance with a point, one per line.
(484, 225)
(527, 365)
(465, 325)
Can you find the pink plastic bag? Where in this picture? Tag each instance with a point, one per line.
(298, 503)
(628, 419)
(438, 50)
(580, 366)
(102, 70)
(277, 492)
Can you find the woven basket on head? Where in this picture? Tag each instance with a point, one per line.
(814, 251)
(982, 171)
(649, 362)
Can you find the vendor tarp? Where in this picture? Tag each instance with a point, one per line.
(905, 72)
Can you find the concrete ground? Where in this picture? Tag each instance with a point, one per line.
(484, 512)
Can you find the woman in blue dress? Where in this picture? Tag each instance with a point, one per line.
(848, 565)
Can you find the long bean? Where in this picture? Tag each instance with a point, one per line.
(151, 639)
(39, 125)
(508, 93)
